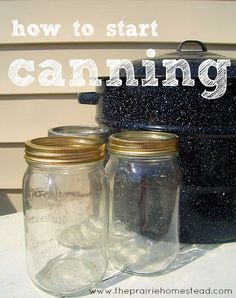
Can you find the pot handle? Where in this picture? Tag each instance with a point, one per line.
(90, 98)
(199, 43)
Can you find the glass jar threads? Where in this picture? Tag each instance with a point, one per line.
(101, 133)
(145, 183)
(65, 195)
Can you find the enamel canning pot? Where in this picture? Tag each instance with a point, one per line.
(207, 130)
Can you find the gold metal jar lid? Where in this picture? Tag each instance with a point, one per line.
(143, 143)
(64, 150)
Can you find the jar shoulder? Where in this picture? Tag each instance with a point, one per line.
(138, 169)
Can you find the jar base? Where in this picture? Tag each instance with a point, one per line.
(140, 256)
(72, 273)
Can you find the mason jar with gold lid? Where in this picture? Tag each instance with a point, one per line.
(145, 182)
(65, 193)
(100, 133)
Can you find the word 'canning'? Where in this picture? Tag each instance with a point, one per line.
(21, 73)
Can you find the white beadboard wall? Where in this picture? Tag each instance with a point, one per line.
(28, 112)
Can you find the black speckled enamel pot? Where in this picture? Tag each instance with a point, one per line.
(207, 130)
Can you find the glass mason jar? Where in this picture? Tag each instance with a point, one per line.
(65, 193)
(101, 133)
(144, 201)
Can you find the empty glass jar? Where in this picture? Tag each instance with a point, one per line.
(101, 133)
(145, 183)
(65, 195)
(80, 131)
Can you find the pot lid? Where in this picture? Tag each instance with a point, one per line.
(194, 56)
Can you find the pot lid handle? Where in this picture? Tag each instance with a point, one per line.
(199, 43)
